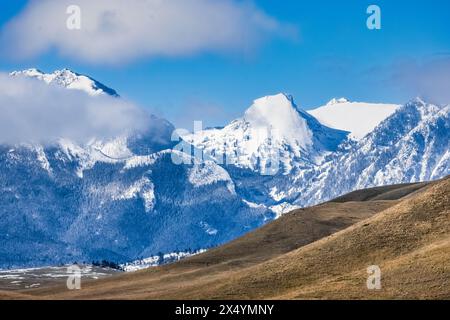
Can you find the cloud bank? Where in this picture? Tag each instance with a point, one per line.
(32, 111)
(429, 79)
(118, 31)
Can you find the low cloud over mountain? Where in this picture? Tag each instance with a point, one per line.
(33, 111)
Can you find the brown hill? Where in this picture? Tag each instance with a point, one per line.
(318, 252)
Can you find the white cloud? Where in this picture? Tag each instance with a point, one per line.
(429, 78)
(32, 111)
(118, 31)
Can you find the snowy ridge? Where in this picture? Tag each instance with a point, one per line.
(359, 118)
(411, 145)
(273, 129)
(68, 79)
(337, 101)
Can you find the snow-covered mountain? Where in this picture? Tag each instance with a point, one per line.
(359, 118)
(118, 211)
(407, 143)
(125, 199)
(273, 135)
(411, 145)
(120, 200)
(68, 79)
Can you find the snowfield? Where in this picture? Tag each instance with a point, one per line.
(358, 118)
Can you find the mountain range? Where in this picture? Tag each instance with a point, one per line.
(126, 198)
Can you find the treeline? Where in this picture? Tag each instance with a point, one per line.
(161, 259)
(107, 264)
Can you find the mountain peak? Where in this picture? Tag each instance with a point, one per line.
(272, 128)
(279, 114)
(68, 79)
(337, 101)
(31, 72)
(276, 100)
(418, 101)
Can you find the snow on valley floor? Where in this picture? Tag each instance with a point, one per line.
(18, 279)
(28, 278)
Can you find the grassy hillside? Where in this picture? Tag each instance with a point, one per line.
(319, 252)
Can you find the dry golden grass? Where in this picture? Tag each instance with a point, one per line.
(409, 241)
(315, 253)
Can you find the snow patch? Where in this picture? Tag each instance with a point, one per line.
(208, 229)
(358, 118)
(142, 188)
(283, 208)
(207, 173)
(155, 261)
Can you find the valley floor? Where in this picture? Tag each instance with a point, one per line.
(29, 278)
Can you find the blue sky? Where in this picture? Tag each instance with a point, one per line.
(330, 53)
